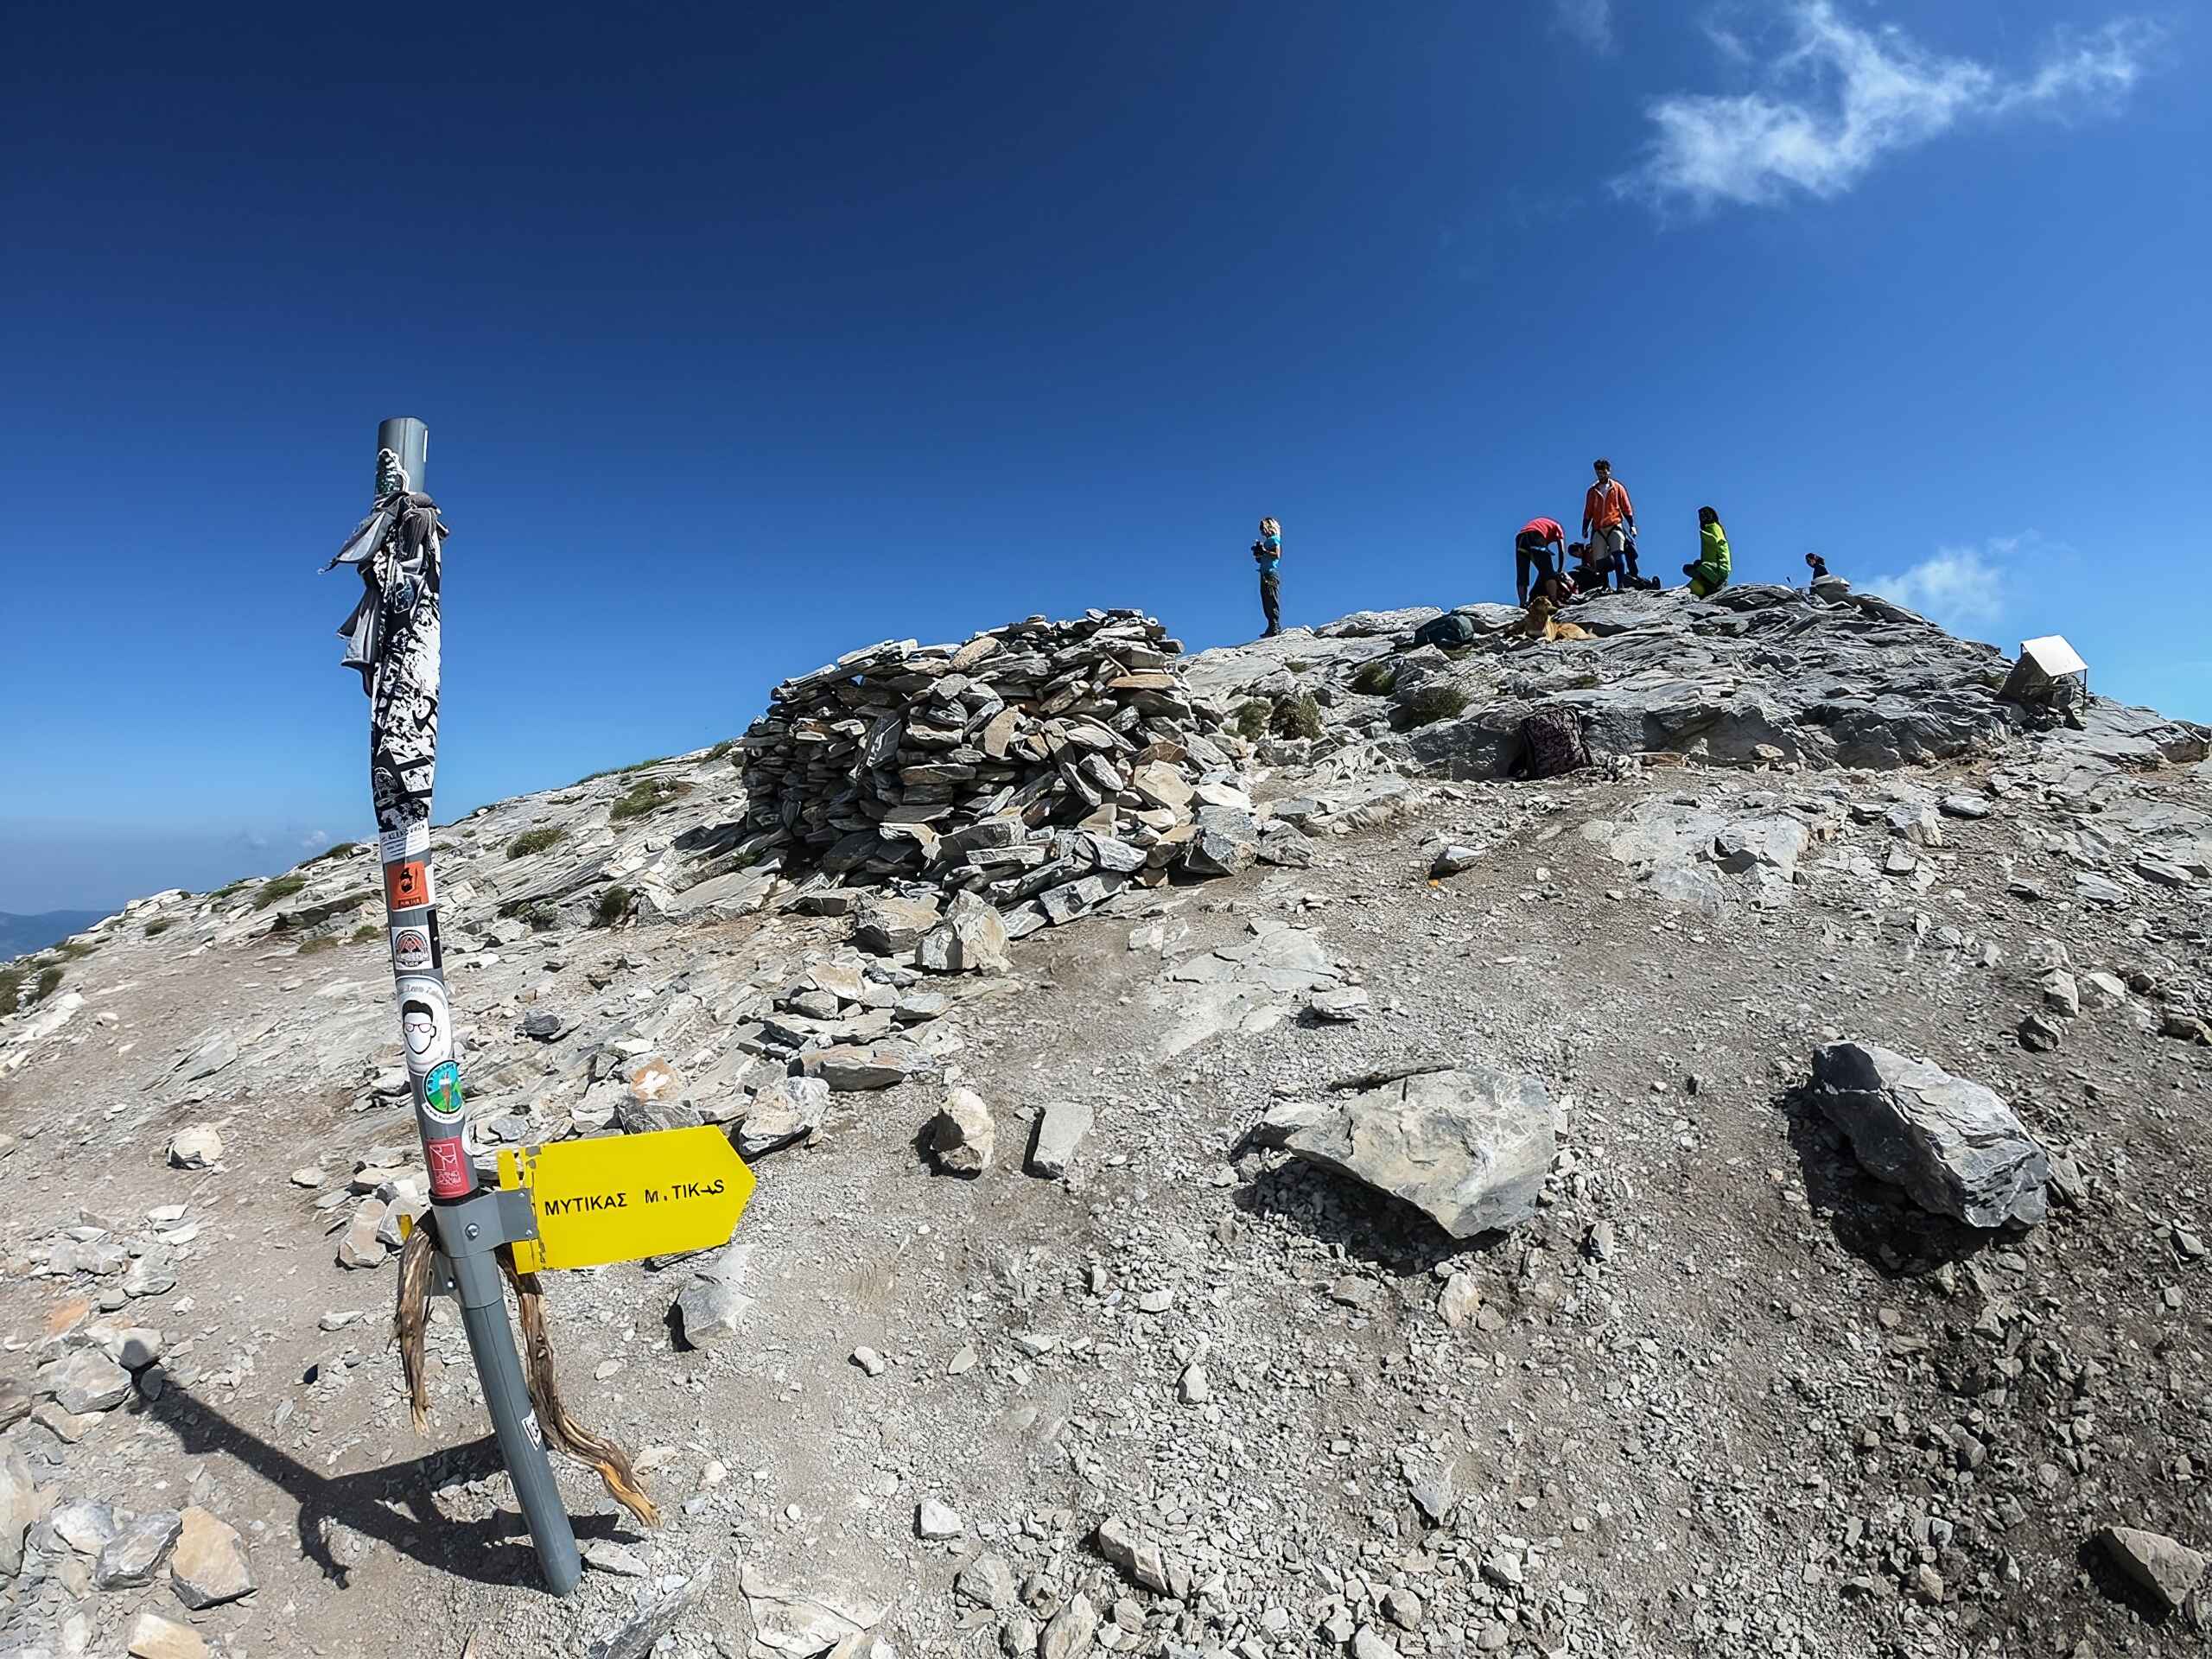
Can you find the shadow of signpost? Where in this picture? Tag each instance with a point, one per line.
(390, 1506)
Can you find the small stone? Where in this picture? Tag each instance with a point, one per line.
(135, 1552)
(88, 1381)
(869, 1361)
(2038, 1035)
(713, 1305)
(209, 1565)
(1599, 1245)
(1461, 1296)
(987, 1582)
(1346, 1006)
(196, 1147)
(961, 1136)
(2167, 1570)
(935, 1520)
(19, 1507)
(2060, 993)
(152, 1637)
(604, 1555)
(307, 1176)
(1192, 1388)
(1072, 1632)
(1402, 1607)
(1350, 1291)
(358, 1245)
(1060, 1128)
(1453, 859)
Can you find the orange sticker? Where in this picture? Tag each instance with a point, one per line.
(407, 884)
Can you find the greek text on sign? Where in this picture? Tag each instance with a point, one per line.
(618, 1198)
(409, 840)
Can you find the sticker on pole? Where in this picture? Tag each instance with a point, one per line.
(620, 1197)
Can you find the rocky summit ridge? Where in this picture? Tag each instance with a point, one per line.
(1686, 1141)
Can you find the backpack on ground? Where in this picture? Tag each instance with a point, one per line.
(1449, 629)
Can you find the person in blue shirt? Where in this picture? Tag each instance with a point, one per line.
(1267, 553)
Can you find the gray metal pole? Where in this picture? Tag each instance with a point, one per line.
(403, 757)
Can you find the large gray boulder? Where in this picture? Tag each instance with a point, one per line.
(1468, 1149)
(1952, 1144)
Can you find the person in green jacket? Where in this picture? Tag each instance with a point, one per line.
(1710, 573)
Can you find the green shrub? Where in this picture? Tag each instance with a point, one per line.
(1252, 718)
(534, 841)
(283, 887)
(159, 925)
(1376, 678)
(614, 905)
(368, 935)
(11, 987)
(48, 978)
(316, 947)
(1433, 702)
(647, 797)
(1299, 716)
(722, 748)
(616, 772)
(75, 949)
(343, 849)
(1298, 664)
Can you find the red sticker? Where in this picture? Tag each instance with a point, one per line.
(407, 884)
(449, 1173)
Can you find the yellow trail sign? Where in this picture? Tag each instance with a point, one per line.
(621, 1196)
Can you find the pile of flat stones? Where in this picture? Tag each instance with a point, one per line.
(1040, 767)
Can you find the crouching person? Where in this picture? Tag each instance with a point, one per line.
(1710, 573)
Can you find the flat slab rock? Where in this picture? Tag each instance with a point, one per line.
(1952, 1144)
(2156, 1564)
(1468, 1149)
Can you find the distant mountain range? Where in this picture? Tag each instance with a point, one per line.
(22, 934)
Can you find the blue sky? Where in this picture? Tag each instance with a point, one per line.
(745, 340)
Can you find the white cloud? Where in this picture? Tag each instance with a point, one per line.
(1842, 96)
(1590, 22)
(1958, 587)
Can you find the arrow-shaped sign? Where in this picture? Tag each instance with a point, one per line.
(618, 1198)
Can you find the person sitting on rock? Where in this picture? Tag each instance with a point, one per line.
(1532, 551)
(1817, 565)
(1709, 575)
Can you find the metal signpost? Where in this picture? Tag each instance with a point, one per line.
(579, 1204)
(394, 635)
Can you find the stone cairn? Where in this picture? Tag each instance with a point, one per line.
(1041, 767)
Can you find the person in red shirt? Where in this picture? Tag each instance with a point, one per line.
(1532, 550)
(1608, 518)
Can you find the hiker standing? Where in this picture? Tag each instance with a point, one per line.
(1267, 553)
(1710, 573)
(1608, 520)
(1532, 551)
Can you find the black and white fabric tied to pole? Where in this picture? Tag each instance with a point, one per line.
(392, 639)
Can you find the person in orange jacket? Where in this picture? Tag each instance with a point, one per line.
(1608, 518)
